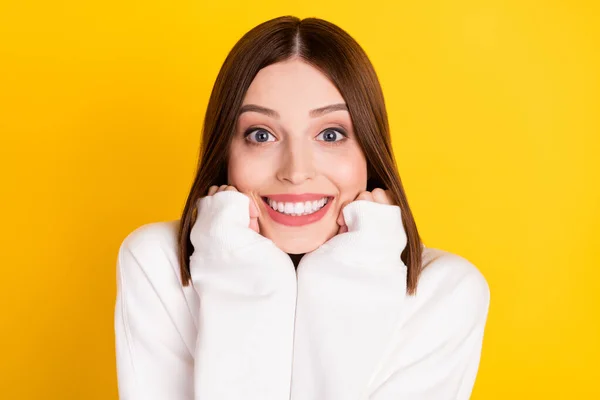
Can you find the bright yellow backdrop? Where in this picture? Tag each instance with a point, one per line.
(494, 111)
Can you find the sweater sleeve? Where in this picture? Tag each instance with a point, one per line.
(350, 295)
(247, 291)
(354, 337)
(437, 357)
(153, 360)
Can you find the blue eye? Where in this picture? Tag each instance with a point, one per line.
(333, 135)
(258, 136)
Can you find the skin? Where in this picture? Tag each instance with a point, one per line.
(295, 152)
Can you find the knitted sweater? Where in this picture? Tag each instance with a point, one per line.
(251, 326)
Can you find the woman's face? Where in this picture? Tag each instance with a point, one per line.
(285, 147)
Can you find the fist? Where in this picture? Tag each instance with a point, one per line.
(253, 207)
(377, 195)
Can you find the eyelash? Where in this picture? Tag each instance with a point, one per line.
(335, 143)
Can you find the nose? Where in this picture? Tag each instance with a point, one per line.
(296, 164)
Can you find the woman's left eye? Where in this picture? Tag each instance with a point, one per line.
(333, 135)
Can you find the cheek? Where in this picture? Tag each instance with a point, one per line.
(349, 174)
(245, 171)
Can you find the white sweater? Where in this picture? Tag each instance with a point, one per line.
(252, 327)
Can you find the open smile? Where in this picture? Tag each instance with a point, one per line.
(297, 209)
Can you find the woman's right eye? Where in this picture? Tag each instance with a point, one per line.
(257, 136)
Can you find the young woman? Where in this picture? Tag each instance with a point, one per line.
(296, 270)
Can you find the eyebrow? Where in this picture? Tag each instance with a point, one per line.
(317, 112)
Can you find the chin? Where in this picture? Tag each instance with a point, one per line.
(299, 240)
(298, 247)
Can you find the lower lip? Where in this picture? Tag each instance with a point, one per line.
(298, 220)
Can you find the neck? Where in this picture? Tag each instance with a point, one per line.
(296, 259)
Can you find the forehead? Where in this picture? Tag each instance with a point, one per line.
(292, 85)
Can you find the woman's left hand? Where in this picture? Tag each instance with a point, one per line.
(377, 195)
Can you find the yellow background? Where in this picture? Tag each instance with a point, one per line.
(494, 111)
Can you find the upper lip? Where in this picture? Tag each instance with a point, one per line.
(289, 197)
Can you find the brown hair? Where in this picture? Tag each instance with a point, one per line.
(336, 54)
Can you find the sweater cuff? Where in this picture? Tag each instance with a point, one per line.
(222, 224)
(375, 235)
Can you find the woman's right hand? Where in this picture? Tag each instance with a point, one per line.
(225, 234)
(253, 207)
(226, 221)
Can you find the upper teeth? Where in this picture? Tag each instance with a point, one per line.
(301, 208)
